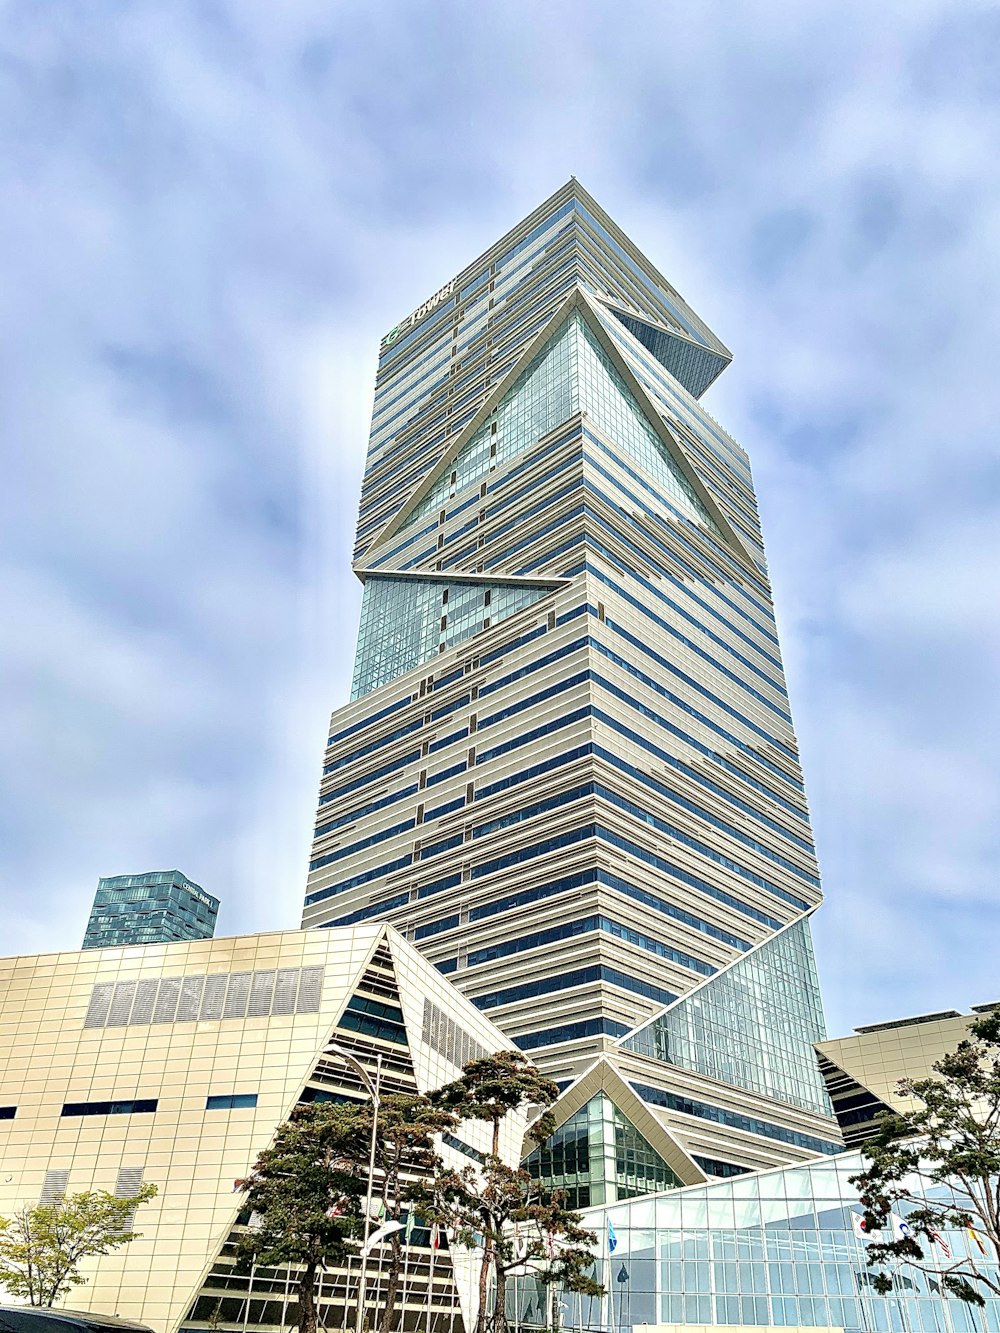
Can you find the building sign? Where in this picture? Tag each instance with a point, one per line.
(442, 295)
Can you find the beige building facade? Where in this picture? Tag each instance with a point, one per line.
(863, 1071)
(175, 1064)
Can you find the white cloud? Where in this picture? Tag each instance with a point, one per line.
(209, 216)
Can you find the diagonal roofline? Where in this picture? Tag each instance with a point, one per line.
(603, 1076)
(572, 189)
(708, 981)
(576, 300)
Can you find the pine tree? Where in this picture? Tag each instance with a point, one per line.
(501, 1208)
(303, 1194)
(939, 1162)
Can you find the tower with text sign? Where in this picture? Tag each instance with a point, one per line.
(568, 771)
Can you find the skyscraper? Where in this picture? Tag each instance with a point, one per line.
(159, 907)
(568, 770)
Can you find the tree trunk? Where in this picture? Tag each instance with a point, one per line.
(500, 1302)
(392, 1284)
(482, 1322)
(307, 1299)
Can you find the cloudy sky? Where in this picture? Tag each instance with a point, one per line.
(209, 213)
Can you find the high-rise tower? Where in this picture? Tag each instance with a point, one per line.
(568, 770)
(158, 907)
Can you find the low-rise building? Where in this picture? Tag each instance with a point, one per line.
(176, 1063)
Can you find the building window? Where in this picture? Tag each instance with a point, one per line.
(8, 1112)
(143, 1106)
(237, 1101)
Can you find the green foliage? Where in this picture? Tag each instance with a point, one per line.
(303, 1195)
(500, 1208)
(41, 1248)
(405, 1156)
(491, 1087)
(306, 1192)
(939, 1162)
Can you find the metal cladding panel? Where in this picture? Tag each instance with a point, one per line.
(188, 1104)
(581, 806)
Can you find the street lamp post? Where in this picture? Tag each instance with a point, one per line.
(373, 1090)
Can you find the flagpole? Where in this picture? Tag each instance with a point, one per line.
(430, 1278)
(611, 1240)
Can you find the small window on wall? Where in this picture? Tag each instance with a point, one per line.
(8, 1112)
(237, 1101)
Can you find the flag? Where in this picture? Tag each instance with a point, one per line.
(435, 1237)
(612, 1239)
(336, 1209)
(622, 1274)
(899, 1228)
(938, 1239)
(976, 1239)
(860, 1230)
(388, 1229)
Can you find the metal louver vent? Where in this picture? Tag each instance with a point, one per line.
(121, 1005)
(55, 1186)
(100, 1003)
(166, 1001)
(189, 1005)
(310, 990)
(286, 988)
(261, 994)
(145, 1000)
(214, 998)
(127, 1187)
(443, 1034)
(204, 999)
(237, 995)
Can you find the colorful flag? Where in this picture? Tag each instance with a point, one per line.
(388, 1229)
(976, 1239)
(435, 1237)
(900, 1229)
(938, 1239)
(337, 1209)
(612, 1239)
(860, 1229)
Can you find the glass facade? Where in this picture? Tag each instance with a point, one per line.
(583, 813)
(157, 908)
(773, 1248)
(406, 622)
(753, 1025)
(598, 1156)
(572, 373)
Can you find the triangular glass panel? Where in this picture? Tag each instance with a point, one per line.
(572, 373)
(614, 408)
(693, 366)
(541, 398)
(752, 1025)
(406, 622)
(598, 1156)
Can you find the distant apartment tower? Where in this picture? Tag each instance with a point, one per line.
(160, 907)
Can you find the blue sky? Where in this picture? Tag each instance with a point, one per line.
(209, 213)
